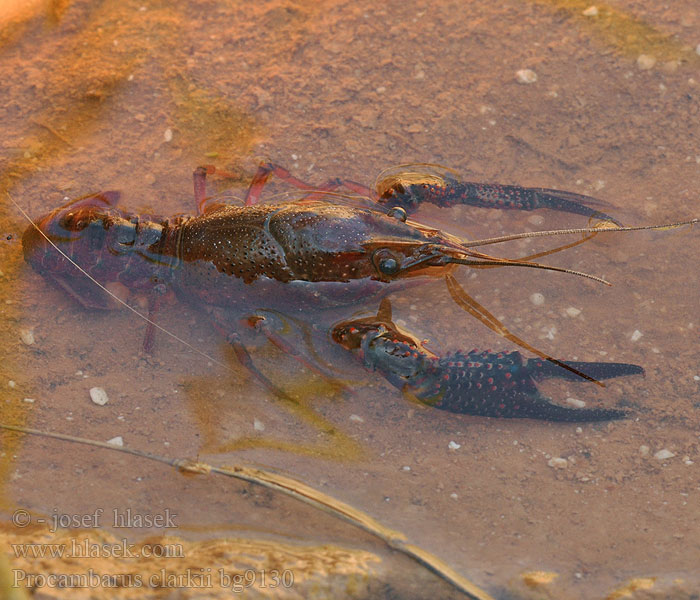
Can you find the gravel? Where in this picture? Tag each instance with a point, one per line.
(98, 396)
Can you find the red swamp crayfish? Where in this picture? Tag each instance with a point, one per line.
(261, 265)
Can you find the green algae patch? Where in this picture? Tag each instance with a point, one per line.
(625, 33)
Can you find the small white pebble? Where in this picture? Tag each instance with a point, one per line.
(645, 62)
(664, 454)
(27, 336)
(525, 76)
(30, 400)
(294, 157)
(550, 332)
(644, 450)
(258, 425)
(537, 299)
(98, 396)
(591, 11)
(558, 463)
(405, 468)
(579, 430)
(687, 461)
(696, 377)
(168, 135)
(11, 384)
(454, 496)
(636, 335)
(575, 402)
(357, 418)
(454, 446)
(116, 441)
(573, 312)
(535, 219)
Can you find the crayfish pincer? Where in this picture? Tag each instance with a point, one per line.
(487, 384)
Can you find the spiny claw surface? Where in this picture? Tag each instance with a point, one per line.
(489, 384)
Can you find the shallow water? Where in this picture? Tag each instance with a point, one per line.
(131, 96)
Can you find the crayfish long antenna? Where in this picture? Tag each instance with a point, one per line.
(491, 261)
(150, 322)
(475, 309)
(532, 234)
(554, 250)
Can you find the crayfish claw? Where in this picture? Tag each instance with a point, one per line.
(540, 369)
(540, 407)
(487, 384)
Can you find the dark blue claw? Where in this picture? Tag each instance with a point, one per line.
(489, 384)
(503, 385)
(542, 369)
(450, 192)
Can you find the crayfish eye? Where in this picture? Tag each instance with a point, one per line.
(398, 213)
(388, 266)
(386, 262)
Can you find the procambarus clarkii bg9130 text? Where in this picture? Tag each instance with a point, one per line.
(254, 266)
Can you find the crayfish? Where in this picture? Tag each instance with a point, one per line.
(245, 264)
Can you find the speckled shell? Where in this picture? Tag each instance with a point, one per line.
(309, 241)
